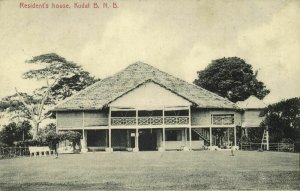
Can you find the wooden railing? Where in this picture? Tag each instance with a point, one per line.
(288, 147)
(153, 120)
(222, 119)
(11, 152)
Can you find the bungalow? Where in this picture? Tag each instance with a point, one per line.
(142, 108)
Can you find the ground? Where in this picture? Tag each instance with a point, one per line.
(197, 170)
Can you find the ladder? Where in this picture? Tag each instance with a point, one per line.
(265, 141)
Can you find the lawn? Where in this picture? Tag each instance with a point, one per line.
(197, 170)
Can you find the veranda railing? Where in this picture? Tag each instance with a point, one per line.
(153, 120)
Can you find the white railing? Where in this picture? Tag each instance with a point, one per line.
(150, 120)
(123, 120)
(222, 119)
(153, 120)
(176, 120)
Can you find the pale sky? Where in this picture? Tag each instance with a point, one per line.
(178, 37)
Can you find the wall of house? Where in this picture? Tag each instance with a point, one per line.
(95, 118)
(80, 119)
(70, 119)
(251, 118)
(202, 117)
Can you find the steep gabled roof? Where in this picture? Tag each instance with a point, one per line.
(251, 103)
(109, 89)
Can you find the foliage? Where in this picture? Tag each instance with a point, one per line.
(232, 78)
(219, 133)
(255, 134)
(244, 139)
(282, 119)
(63, 79)
(14, 132)
(49, 136)
(72, 136)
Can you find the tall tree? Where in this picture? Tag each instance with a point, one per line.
(232, 78)
(62, 78)
(283, 119)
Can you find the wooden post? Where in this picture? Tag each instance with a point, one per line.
(109, 138)
(136, 139)
(190, 127)
(164, 139)
(234, 135)
(136, 117)
(83, 119)
(56, 124)
(163, 115)
(109, 129)
(210, 136)
(185, 138)
(267, 140)
(228, 136)
(190, 133)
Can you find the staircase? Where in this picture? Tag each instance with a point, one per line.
(203, 134)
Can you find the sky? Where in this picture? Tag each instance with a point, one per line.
(178, 37)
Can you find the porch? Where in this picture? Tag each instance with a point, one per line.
(141, 139)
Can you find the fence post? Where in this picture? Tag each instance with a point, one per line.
(278, 147)
(250, 147)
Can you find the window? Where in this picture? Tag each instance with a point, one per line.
(123, 113)
(177, 113)
(222, 119)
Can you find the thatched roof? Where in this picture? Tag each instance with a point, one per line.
(251, 103)
(102, 93)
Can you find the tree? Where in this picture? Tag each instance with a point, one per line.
(72, 136)
(14, 132)
(282, 119)
(63, 78)
(232, 78)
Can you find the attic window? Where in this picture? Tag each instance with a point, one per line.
(222, 119)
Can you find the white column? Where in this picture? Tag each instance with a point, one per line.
(164, 139)
(234, 135)
(228, 136)
(267, 136)
(136, 146)
(109, 138)
(185, 136)
(210, 136)
(83, 142)
(190, 132)
(83, 119)
(109, 131)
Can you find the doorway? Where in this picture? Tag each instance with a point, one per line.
(147, 140)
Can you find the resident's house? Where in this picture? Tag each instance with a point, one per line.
(143, 108)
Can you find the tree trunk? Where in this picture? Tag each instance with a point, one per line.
(35, 129)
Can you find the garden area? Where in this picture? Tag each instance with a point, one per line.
(197, 170)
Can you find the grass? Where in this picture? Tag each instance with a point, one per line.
(198, 170)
